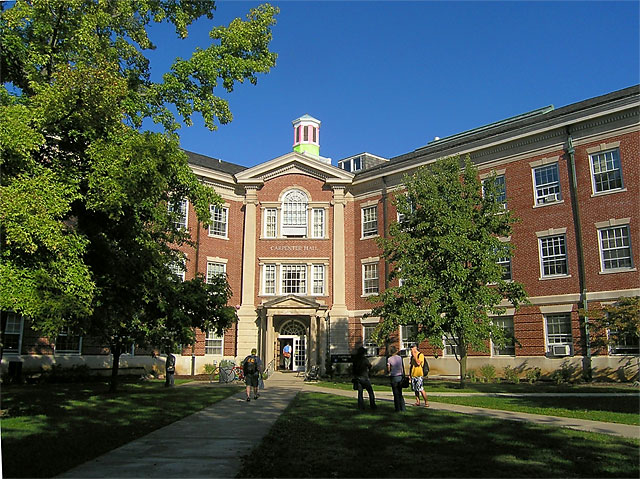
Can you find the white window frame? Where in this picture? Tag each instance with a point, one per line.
(295, 214)
(17, 329)
(67, 333)
(318, 223)
(370, 346)
(369, 216)
(213, 342)
(450, 346)
(317, 280)
(616, 239)
(269, 279)
(505, 262)
(597, 159)
(553, 258)
(287, 283)
(270, 222)
(558, 338)
(368, 280)
(407, 335)
(507, 350)
(179, 268)
(549, 192)
(183, 220)
(212, 266)
(502, 197)
(220, 217)
(624, 348)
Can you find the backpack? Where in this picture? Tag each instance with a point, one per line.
(250, 365)
(425, 366)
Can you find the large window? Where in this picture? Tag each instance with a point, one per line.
(294, 214)
(213, 343)
(407, 335)
(68, 343)
(220, 221)
(500, 189)
(12, 333)
(625, 344)
(368, 343)
(215, 269)
(606, 171)
(559, 330)
(270, 222)
(546, 184)
(318, 280)
(318, 223)
(451, 346)
(369, 221)
(370, 283)
(506, 267)
(615, 248)
(269, 279)
(553, 256)
(179, 211)
(179, 269)
(294, 278)
(509, 348)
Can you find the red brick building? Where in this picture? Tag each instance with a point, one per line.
(296, 239)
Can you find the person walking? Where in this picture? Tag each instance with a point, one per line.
(396, 371)
(286, 352)
(170, 370)
(361, 368)
(252, 368)
(416, 373)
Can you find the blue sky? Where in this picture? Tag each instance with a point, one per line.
(387, 77)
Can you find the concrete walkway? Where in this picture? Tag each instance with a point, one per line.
(211, 442)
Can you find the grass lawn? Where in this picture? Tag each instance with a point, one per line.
(621, 409)
(321, 435)
(50, 428)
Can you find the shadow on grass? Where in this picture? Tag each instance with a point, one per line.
(325, 436)
(50, 428)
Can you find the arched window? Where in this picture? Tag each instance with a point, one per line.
(294, 214)
(293, 328)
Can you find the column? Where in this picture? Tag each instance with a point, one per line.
(269, 350)
(339, 261)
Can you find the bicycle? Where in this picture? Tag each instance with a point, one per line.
(238, 373)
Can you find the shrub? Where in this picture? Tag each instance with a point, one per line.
(488, 373)
(59, 374)
(511, 375)
(211, 370)
(472, 376)
(562, 375)
(533, 375)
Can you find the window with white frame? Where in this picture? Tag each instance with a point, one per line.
(294, 278)
(509, 348)
(624, 344)
(269, 279)
(12, 333)
(505, 262)
(179, 211)
(220, 221)
(270, 222)
(178, 268)
(317, 218)
(500, 189)
(451, 346)
(559, 329)
(553, 256)
(606, 172)
(318, 280)
(615, 248)
(294, 214)
(546, 184)
(369, 344)
(369, 221)
(213, 344)
(407, 335)
(215, 269)
(68, 343)
(370, 283)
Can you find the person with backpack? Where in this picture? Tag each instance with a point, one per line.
(252, 368)
(418, 370)
(361, 368)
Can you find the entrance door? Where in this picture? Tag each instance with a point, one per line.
(299, 353)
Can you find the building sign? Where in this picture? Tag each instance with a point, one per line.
(293, 248)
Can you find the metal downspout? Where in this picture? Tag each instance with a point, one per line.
(575, 206)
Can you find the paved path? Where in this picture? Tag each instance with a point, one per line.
(211, 442)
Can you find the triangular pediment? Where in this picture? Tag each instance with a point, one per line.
(293, 302)
(291, 163)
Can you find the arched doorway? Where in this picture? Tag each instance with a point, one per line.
(294, 333)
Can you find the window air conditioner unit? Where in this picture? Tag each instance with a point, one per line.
(549, 198)
(561, 350)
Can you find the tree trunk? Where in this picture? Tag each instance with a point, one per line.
(463, 368)
(116, 352)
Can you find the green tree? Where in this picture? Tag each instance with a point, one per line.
(446, 249)
(615, 323)
(88, 199)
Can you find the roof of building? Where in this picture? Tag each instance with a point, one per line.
(214, 163)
